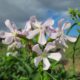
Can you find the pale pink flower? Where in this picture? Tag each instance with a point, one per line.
(11, 36)
(28, 25)
(62, 37)
(44, 55)
(41, 29)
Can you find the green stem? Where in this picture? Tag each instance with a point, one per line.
(74, 48)
(71, 28)
(73, 56)
(51, 76)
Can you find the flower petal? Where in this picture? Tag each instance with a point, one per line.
(8, 40)
(2, 34)
(46, 64)
(15, 44)
(18, 44)
(32, 33)
(37, 49)
(53, 35)
(33, 19)
(10, 25)
(63, 42)
(12, 54)
(49, 46)
(8, 53)
(66, 25)
(56, 56)
(37, 60)
(60, 23)
(71, 39)
(28, 26)
(36, 24)
(48, 22)
(42, 38)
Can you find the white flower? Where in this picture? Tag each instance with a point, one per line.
(41, 29)
(14, 45)
(12, 53)
(62, 38)
(11, 36)
(44, 55)
(28, 25)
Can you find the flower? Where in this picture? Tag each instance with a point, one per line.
(14, 45)
(44, 55)
(12, 54)
(61, 36)
(28, 25)
(41, 29)
(11, 36)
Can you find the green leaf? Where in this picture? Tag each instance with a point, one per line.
(46, 76)
(36, 76)
(72, 12)
(50, 40)
(52, 77)
(78, 30)
(78, 23)
(23, 78)
(79, 14)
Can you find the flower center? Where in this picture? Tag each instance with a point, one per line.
(44, 54)
(14, 33)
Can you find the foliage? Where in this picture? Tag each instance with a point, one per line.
(18, 63)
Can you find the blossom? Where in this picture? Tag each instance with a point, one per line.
(12, 53)
(61, 36)
(41, 29)
(11, 36)
(44, 55)
(14, 45)
(28, 25)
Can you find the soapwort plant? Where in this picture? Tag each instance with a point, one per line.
(34, 52)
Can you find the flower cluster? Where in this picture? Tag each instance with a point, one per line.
(49, 41)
